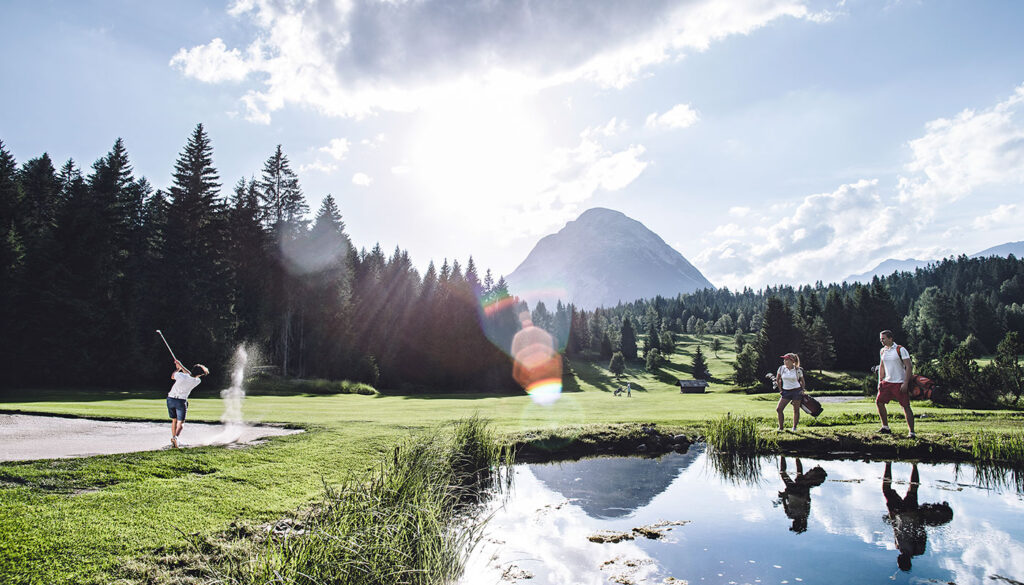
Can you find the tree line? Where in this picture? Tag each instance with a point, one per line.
(947, 314)
(93, 262)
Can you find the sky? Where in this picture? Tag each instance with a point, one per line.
(768, 141)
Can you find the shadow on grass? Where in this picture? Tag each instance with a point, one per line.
(599, 377)
(86, 394)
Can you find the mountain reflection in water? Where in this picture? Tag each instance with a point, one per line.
(769, 520)
(613, 487)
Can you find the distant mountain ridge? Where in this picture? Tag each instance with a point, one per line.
(889, 266)
(599, 259)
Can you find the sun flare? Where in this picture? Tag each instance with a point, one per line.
(475, 155)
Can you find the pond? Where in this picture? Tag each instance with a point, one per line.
(694, 518)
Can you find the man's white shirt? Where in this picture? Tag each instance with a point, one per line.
(183, 385)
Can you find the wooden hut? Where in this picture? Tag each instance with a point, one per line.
(692, 386)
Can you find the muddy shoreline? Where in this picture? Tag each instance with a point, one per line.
(647, 440)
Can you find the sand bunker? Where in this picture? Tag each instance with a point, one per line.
(29, 436)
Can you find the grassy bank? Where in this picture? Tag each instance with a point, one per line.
(408, 520)
(90, 520)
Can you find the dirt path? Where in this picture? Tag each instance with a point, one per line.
(29, 436)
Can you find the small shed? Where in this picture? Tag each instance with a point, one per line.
(692, 386)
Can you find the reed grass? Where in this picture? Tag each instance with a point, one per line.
(736, 434)
(410, 520)
(1005, 447)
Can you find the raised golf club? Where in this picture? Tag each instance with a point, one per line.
(160, 333)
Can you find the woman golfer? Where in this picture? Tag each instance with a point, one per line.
(790, 379)
(177, 398)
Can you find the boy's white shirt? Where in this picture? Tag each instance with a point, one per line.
(894, 369)
(183, 385)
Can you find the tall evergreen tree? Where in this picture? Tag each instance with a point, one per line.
(249, 262)
(778, 334)
(699, 366)
(11, 250)
(194, 255)
(627, 339)
(281, 198)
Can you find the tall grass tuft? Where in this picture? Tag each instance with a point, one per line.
(998, 447)
(736, 434)
(408, 521)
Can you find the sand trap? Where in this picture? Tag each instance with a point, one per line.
(29, 436)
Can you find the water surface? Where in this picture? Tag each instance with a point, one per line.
(773, 520)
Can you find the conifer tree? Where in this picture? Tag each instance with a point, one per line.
(606, 346)
(11, 250)
(194, 254)
(778, 334)
(249, 262)
(281, 198)
(699, 366)
(627, 339)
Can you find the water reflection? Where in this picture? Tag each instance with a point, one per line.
(719, 528)
(908, 519)
(613, 487)
(796, 498)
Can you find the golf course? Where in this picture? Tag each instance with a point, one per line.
(157, 516)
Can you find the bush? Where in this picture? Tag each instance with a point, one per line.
(653, 360)
(617, 365)
(745, 366)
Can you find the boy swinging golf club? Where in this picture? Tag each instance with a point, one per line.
(177, 398)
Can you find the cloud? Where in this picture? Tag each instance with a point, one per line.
(577, 173)
(362, 179)
(337, 148)
(318, 166)
(213, 63)
(823, 235)
(681, 116)
(401, 170)
(360, 57)
(958, 155)
(831, 235)
(1004, 215)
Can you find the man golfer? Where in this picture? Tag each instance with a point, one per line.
(895, 371)
(177, 398)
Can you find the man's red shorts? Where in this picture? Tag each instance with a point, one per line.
(891, 391)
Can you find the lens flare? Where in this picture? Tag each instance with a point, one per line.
(537, 366)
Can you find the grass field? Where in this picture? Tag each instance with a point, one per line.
(81, 520)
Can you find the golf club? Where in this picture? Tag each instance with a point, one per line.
(158, 332)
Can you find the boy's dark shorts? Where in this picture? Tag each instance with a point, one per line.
(891, 391)
(177, 407)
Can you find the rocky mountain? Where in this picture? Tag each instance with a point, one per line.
(910, 264)
(599, 259)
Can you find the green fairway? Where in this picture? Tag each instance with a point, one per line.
(78, 520)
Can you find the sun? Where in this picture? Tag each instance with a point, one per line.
(478, 155)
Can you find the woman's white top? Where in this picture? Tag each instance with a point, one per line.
(790, 377)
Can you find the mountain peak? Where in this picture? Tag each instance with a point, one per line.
(601, 258)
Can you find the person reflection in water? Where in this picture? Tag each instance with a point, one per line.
(908, 519)
(796, 498)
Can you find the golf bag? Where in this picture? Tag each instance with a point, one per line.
(810, 405)
(922, 388)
